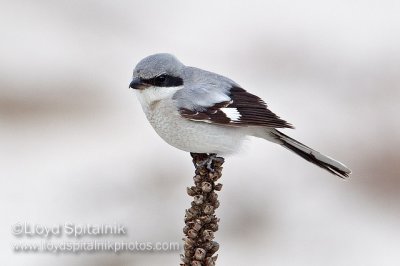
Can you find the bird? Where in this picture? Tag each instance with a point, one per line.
(199, 111)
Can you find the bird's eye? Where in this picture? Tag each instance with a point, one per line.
(160, 79)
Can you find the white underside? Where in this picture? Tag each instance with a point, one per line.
(184, 134)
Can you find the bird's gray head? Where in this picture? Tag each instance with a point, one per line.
(158, 70)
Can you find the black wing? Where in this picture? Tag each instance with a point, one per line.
(244, 109)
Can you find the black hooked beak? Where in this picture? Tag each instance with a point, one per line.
(137, 84)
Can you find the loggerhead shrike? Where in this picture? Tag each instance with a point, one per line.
(202, 112)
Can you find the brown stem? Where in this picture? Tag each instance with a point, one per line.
(201, 222)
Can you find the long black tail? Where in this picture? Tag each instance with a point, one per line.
(323, 161)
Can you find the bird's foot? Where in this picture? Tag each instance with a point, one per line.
(208, 160)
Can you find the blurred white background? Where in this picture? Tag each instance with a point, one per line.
(75, 145)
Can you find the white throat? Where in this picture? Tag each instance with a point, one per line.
(151, 95)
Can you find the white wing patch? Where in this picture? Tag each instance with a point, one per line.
(232, 113)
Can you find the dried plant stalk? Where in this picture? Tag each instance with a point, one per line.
(201, 222)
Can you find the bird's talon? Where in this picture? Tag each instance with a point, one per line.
(210, 160)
